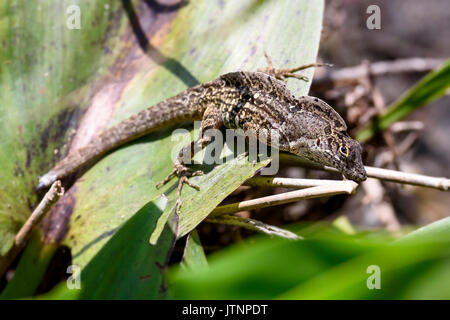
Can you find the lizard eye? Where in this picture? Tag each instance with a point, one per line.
(343, 150)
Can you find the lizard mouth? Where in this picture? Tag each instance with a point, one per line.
(357, 175)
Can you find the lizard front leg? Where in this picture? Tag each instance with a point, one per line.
(283, 74)
(211, 122)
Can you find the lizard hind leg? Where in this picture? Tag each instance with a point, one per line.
(183, 173)
(283, 74)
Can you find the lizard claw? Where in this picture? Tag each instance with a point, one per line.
(283, 74)
(183, 174)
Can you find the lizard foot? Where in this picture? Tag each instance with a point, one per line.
(183, 173)
(283, 74)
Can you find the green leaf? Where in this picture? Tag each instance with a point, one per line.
(194, 256)
(125, 58)
(31, 269)
(47, 75)
(434, 85)
(227, 38)
(127, 266)
(434, 232)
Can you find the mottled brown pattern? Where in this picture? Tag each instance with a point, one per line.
(256, 102)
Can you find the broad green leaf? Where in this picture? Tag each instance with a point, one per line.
(126, 57)
(127, 266)
(434, 85)
(48, 74)
(229, 37)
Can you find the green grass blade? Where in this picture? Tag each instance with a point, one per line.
(434, 85)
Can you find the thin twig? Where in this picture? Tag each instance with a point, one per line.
(440, 183)
(344, 187)
(380, 68)
(254, 225)
(24, 234)
(289, 182)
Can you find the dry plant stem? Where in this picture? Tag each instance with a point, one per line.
(254, 225)
(440, 183)
(289, 182)
(24, 234)
(381, 68)
(344, 187)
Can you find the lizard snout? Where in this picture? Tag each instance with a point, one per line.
(356, 173)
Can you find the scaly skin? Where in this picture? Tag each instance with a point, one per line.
(256, 102)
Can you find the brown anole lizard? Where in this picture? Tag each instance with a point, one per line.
(256, 102)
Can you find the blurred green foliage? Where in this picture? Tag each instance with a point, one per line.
(329, 264)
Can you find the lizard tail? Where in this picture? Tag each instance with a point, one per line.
(172, 111)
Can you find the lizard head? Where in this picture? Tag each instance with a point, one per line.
(326, 140)
(337, 150)
(347, 156)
